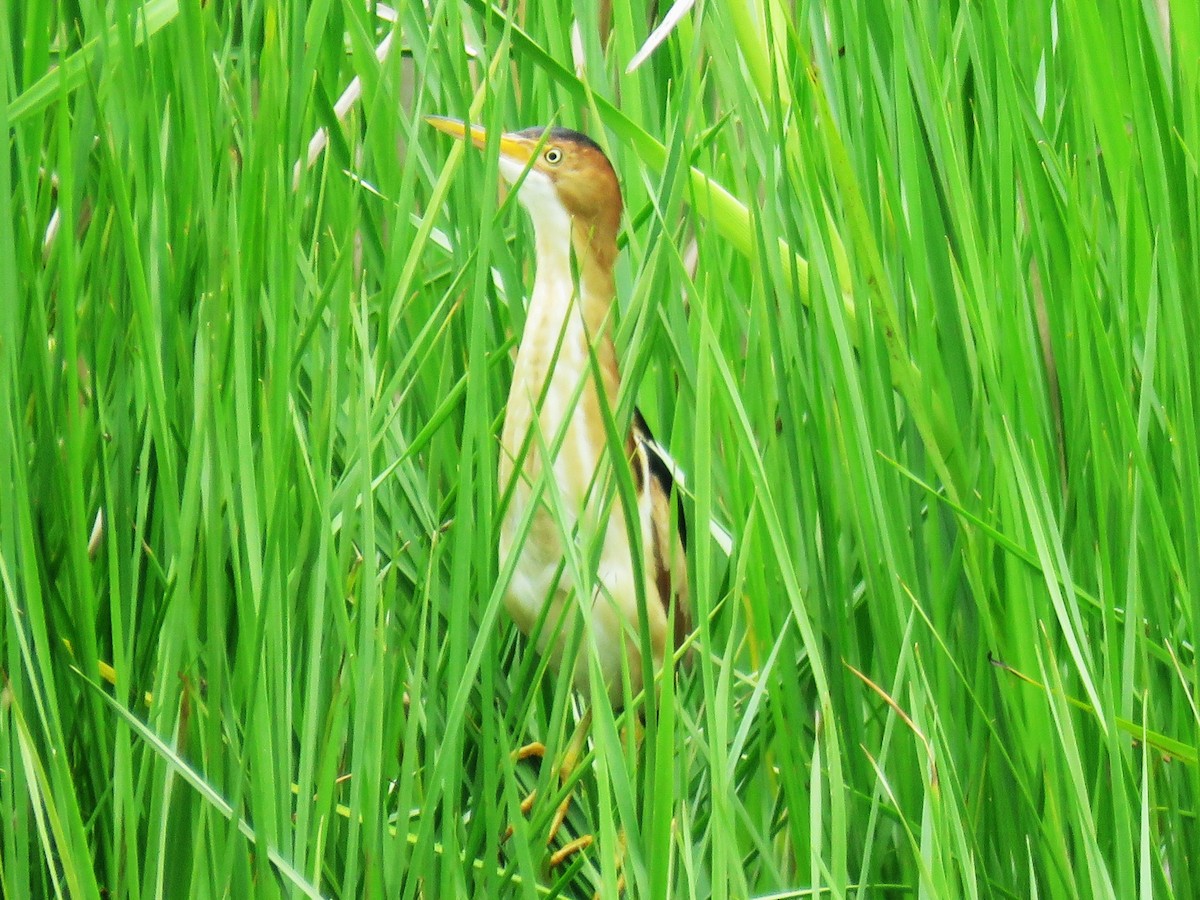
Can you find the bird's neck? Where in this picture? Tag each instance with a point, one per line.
(553, 379)
(595, 254)
(575, 313)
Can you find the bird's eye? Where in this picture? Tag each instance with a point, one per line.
(553, 156)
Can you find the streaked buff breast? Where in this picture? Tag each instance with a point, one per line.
(586, 511)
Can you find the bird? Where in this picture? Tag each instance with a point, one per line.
(565, 374)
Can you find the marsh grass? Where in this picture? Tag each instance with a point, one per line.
(909, 290)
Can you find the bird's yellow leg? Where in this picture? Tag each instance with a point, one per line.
(566, 770)
(536, 748)
(570, 760)
(529, 751)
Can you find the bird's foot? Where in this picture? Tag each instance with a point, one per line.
(537, 750)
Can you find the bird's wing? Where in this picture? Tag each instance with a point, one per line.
(670, 542)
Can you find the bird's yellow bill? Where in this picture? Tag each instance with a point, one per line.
(511, 146)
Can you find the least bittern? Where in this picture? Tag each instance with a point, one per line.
(566, 367)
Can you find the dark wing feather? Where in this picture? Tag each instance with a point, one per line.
(659, 470)
(672, 588)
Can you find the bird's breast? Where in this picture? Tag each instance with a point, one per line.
(555, 462)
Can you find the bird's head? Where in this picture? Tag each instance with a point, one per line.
(558, 171)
